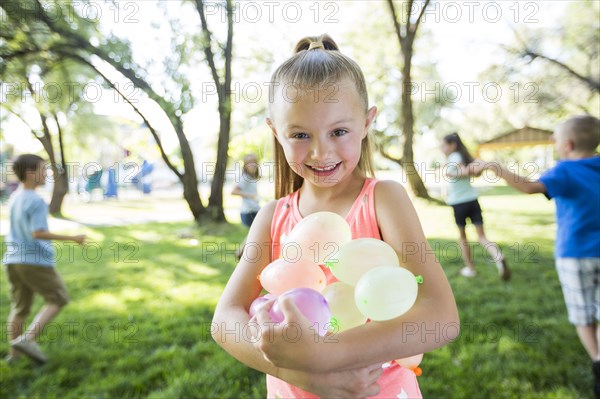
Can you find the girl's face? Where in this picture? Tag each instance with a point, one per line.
(321, 130)
(447, 148)
(250, 163)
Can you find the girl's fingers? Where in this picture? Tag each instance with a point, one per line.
(262, 313)
(374, 367)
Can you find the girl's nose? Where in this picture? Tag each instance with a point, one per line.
(320, 150)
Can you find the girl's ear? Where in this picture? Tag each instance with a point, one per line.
(371, 114)
(271, 126)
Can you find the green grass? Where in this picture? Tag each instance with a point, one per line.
(139, 318)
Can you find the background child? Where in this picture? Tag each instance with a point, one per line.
(247, 189)
(30, 260)
(574, 183)
(463, 199)
(320, 119)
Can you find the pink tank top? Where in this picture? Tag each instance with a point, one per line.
(396, 381)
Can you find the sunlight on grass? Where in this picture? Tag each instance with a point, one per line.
(107, 301)
(150, 296)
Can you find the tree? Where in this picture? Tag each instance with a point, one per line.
(562, 63)
(81, 40)
(223, 85)
(30, 81)
(406, 33)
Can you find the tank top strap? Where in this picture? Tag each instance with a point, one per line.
(284, 219)
(362, 217)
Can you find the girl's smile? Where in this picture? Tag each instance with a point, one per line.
(321, 132)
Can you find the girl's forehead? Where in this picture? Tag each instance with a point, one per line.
(292, 98)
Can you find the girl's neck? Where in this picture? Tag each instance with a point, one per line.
(338, 199)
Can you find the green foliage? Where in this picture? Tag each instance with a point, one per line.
(538, 92)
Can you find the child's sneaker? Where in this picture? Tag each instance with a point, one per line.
(467, 272)
(12, 360)
(31, 349)
(503, 270)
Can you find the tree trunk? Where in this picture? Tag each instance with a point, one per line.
(61, 176)
(189, 179)
(60, 189)
(215, 202)
(408, 164)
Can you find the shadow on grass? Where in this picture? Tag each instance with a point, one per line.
(515, 340)
(140, 320)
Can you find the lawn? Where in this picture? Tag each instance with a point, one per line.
(143, 296)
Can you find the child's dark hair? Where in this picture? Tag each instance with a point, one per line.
(26, 163)
(454, 138)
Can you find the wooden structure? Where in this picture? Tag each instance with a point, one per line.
(524, 137)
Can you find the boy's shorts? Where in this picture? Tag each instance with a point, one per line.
(25, 280)
(580, 281)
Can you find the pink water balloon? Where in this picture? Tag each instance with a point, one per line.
(317, 237)
(259, 301)
(310, 303)
(281, 276)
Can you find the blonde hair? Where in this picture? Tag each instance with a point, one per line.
(316, 62)
(584, 130)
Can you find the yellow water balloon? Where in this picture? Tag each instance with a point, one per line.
(357, 257)
(386, 292)
(344, 313)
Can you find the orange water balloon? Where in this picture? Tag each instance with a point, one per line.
(280, 276)
(317, 237)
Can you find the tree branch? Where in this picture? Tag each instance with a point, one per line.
(592, 83)
(137, 111)
(206, 45)
(396, 23)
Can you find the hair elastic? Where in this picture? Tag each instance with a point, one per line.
(314, 45)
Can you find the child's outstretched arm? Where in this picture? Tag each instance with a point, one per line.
(431, 322)
(231, 330)
(238, 191)
(46, 235)
(520, 183)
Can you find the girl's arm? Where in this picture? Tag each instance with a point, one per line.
(231, 331)
(461, 170)
(431, 322)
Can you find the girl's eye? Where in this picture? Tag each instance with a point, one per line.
(339, 132)
(299, 136)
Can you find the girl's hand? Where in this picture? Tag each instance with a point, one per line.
(293, 343)
(477, 167)
(352, 383)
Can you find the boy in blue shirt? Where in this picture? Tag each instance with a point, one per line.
(574, 183)
(30, 259)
